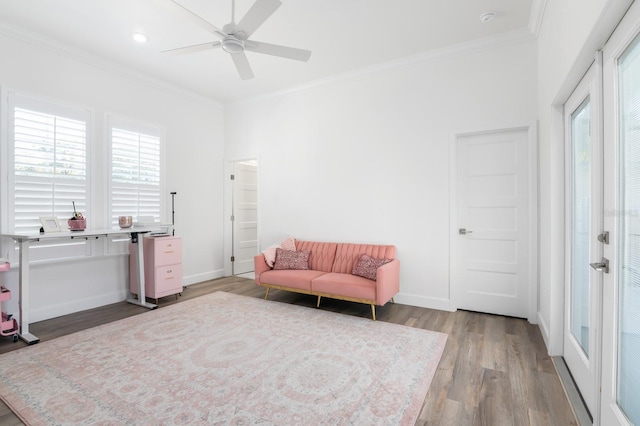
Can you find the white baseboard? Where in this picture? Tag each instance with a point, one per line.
(438, 303)
(206, 276)
(544, 330)
(76, 305)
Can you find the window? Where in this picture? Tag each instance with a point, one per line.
(136, 171)
(47, 167)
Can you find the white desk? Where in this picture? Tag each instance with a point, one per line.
(24, 241)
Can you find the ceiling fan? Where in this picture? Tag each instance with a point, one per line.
(234, 38)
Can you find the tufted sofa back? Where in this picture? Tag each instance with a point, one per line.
(322, 254)
(348, 254)
(340, 257)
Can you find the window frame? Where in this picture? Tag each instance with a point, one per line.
(117, 244)
(13, 99)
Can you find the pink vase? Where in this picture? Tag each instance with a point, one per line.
(77, 224)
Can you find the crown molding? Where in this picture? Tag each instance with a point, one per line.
(536, 15)
(99, 62)
(474, 46)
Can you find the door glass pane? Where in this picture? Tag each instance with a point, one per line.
(581, 223)
(629, 261)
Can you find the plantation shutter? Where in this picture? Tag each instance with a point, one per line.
(49, 167)
(135, 175)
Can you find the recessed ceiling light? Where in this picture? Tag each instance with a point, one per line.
(139, 37)
(486, 17)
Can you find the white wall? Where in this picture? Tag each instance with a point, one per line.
(571, 32)
(194, 135)
(366, 158)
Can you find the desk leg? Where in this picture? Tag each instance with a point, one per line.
(136, 239)
(23, 282)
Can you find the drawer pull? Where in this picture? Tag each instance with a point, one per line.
(169, 278)
(169, 251)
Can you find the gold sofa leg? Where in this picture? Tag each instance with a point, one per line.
(267, 293)
(393, 301)
(373, 311)
(318, 304)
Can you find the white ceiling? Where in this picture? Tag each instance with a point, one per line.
(343, 35)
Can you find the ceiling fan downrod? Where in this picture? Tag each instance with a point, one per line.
(233, 12)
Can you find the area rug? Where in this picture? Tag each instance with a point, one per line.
(226, 359)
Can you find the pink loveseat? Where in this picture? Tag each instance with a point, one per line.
(329, 274)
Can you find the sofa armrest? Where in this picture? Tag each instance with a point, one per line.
(387, 282)
(260, 266)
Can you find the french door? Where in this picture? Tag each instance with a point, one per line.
(620, 400)
(583, 303)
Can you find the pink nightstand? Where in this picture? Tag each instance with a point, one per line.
(162, 266)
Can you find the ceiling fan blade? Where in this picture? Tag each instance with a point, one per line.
(277, 50)
(197, 19)
(259, 12)
(193, 48)
(242, 65)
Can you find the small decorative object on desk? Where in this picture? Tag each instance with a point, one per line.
(78, 222)
(125, 221)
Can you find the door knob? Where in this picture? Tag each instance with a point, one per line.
(463, 231)
(602, 266)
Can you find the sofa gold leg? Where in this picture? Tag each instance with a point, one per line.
(318, 304)
(266, 295)
(393, 301)
(373, 311)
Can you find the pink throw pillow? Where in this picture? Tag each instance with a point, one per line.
(269, 253)
(367, 266)
(289, 259)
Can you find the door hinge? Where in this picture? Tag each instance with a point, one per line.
(604, 237)
(233, 218)
(233, 258)
(233, 177)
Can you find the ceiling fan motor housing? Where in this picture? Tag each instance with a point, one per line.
(231, 44)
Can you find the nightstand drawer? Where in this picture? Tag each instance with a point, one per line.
(168, 279)
(167, 251)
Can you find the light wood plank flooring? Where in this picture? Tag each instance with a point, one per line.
(494, 370)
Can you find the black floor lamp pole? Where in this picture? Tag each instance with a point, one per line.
(173, 213)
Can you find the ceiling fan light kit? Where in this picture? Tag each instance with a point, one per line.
(232, 45)
(234, 38)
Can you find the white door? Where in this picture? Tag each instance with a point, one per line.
(584, 223)
(621, 287)
(491, 231)
(244, 216)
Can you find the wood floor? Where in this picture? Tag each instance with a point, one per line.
(494, 370)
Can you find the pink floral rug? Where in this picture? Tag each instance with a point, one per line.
(226, 359)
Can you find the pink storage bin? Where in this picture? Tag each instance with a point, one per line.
(5, 294)
(8, 325)
(77, 224)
